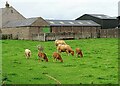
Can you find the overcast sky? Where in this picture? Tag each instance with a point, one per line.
(63, 9)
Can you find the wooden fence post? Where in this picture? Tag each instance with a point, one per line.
(0, 36)
(44, 37)
(38, 36)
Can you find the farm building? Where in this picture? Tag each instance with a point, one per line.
(16, 26)
(70, 29)
(14, 23)
(74, 26)
(105, 21)
(23, 29)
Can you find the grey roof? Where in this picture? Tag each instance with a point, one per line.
(102, 16)
(72, 23)
(19, 23)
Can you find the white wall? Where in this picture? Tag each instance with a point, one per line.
(119, 8)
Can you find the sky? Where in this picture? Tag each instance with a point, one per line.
(63, 9)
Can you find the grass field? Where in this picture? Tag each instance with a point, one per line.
(98, 66)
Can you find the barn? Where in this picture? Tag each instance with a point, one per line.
(83, 27)
(105, 21)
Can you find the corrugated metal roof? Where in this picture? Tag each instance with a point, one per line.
(18, 23)
(72, 23)
(102, 16)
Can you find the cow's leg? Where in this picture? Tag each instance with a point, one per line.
(76, 54)
(67, 52)
(39, 60)
(53, 59)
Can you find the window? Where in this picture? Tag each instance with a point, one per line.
(52, 22)
(89, 22)
(46, 29)
(80, 22)
(11, 11)
(71, 22)
(62, 22)
(99, 16)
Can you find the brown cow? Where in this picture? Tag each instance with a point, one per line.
(42, 55)
(57, 56)
(65, 48)
(79, 52)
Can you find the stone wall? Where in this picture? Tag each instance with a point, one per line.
(17, 33)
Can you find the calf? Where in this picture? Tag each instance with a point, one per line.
(42, 55)
(57, 56)
(79, 52)
(27, 53)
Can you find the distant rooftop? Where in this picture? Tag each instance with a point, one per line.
(72, 23)
(102, 16)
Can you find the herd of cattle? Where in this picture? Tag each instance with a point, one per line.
(61, 47)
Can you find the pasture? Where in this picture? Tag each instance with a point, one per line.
(98, 66)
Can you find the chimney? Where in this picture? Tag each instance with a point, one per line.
(7, 5)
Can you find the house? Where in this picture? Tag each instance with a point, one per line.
(105, 21)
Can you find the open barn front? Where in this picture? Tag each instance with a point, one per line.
(46, 30)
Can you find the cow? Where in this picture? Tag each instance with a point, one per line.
(57, 56)
(79, 52)
(57, 42)
(42, 55)
(65, 48)
(27, 53)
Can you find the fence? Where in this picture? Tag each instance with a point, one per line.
(52, 36)
(102, 33)
(0, 36)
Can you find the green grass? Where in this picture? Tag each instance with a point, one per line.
(99, 64)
